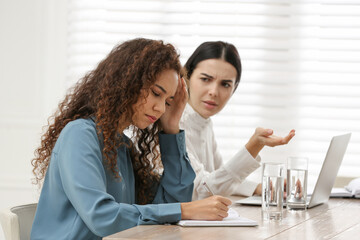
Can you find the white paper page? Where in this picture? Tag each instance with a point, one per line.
(232, 220)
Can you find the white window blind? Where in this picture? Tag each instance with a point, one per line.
(301, 63)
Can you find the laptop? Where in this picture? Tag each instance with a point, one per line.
(326, 179)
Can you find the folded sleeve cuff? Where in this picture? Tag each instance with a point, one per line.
(172, 144)
(159, 213)
(246, 188)
(173, 212)
(242, 164)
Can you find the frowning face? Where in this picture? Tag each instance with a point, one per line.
(152, 106)
(211, 86)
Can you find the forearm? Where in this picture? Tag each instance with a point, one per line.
(176, 184)
(228, 178)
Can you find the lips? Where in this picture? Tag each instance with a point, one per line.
(210, 104)
(152, 119)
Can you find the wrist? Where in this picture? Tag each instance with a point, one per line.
(184, 212)
(254, 146)
(171, 130)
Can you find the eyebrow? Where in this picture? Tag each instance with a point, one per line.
(162, 89)
(227, 81)
(209, 76)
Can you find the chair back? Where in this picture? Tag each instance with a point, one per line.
(17, 221)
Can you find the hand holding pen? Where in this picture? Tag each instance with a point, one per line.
(212, 194)
(211, 208)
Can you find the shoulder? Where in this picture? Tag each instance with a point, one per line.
(78, 132)
(79, 126)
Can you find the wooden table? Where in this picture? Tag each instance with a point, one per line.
(337, 219)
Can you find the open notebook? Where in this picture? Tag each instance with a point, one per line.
(233, 220)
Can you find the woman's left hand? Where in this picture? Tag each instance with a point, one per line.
(171, 118)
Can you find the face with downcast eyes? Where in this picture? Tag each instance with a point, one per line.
(211, 86)
(157, 98)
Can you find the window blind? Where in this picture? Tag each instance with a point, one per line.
(301, 63)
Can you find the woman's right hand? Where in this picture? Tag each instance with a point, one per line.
(211, 208)
(264, 137)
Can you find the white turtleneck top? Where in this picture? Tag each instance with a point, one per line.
(222, 178)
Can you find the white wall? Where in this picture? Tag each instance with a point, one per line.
(32, 76)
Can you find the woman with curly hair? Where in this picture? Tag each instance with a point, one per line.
(95, 180)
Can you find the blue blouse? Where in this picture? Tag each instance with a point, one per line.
(81, 199)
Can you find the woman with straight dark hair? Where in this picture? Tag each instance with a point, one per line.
(213, 73)
(96, 181)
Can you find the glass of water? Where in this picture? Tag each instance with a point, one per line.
(296, 183)
(272, 190)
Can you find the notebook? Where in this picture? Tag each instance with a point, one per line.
(351, 190)
(326, 179)
(232, 220)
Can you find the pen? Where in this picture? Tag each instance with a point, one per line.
(207, 189)
(230, 211)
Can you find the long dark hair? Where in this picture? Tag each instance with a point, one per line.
(215, 50)
(108, 93)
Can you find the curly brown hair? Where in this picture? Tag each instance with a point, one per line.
(108, 93)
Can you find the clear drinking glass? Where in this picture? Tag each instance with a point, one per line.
(296, 183)
(272, 190)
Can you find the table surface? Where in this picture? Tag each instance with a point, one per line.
(337, 219)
